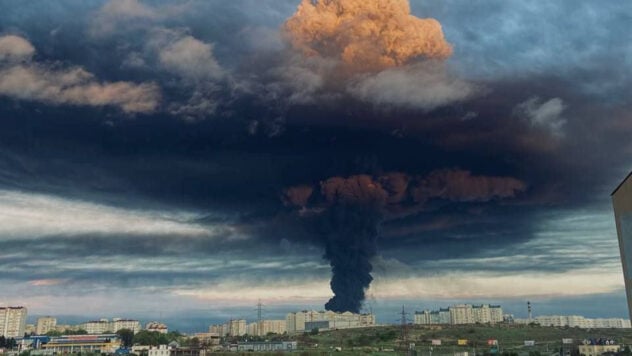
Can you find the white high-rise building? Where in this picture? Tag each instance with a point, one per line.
(96, 326)
(496, 314)
(481, 314)
(237, 327)
(131, 324)
(461, 314)
(577, 321)
(45, 324)
(12, 321)
(264, 327)
(105, 326)
(296, 322)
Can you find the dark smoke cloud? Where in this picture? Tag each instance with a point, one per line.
(352, 208)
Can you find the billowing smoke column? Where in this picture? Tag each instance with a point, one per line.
(366, 35)
(349, 211)
(363, 37)
(350, 233)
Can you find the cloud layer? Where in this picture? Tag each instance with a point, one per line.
(74, 85)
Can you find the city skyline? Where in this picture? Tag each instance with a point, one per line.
(455, 314)
(199, 157)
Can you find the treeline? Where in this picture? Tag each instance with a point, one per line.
(153, 338)
(67, 332)
(7, 343)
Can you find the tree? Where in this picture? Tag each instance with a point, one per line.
(314, 331)
(53, 333)
(75, 332)
(11, 344)
(151, 338)
(126, 336)
(194, 342)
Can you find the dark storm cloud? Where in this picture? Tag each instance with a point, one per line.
(529, 95)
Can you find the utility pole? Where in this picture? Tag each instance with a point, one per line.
(404, 331)
(259, 318)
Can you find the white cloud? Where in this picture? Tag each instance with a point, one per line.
(547, 114)
(190, 58)
(27, 215)
(464, 285)
(75, 86)
(72, 85)
(123, 15)
(192, 62)
(424, 86)
(467, 285)
(14, 48)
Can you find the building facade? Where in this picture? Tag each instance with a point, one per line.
(233, 327)
(622, 204)
(264, 327)
(278, 346)
(102, 343)
(12, 321)
(296, 322)
(105, 326)
(237, 327)
(598, 347)
(131, 324)
(161, 350)
(577, 321)
(45, 324)
(94, 327)
(155, 326)
(461, 314)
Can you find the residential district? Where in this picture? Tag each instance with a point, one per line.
(129, 336)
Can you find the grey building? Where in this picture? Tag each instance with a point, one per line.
(622, 204)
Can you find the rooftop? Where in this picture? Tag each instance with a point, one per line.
(621, 184)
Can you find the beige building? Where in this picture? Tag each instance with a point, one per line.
(461, 314)
(237, 327)
(622, 204)
(94, 327)
(12, 321)
(597, 350)
(131, 324)
(161, 350)
(295, 322)
(45, 324)
(233, 327)
(496, 314)
(577, 321)
(207, 339)
(264, 327)
(105, 326)
(29, 329)
(155, 326)
(220, 329)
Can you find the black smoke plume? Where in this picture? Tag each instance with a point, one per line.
(348, 211)
(350, 236)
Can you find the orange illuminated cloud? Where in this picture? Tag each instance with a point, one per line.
(366, 35)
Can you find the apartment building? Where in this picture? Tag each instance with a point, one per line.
(12, 321)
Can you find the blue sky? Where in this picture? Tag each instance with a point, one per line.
(148, 151)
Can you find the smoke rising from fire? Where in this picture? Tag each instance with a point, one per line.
(350, 209)
(365, 35)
